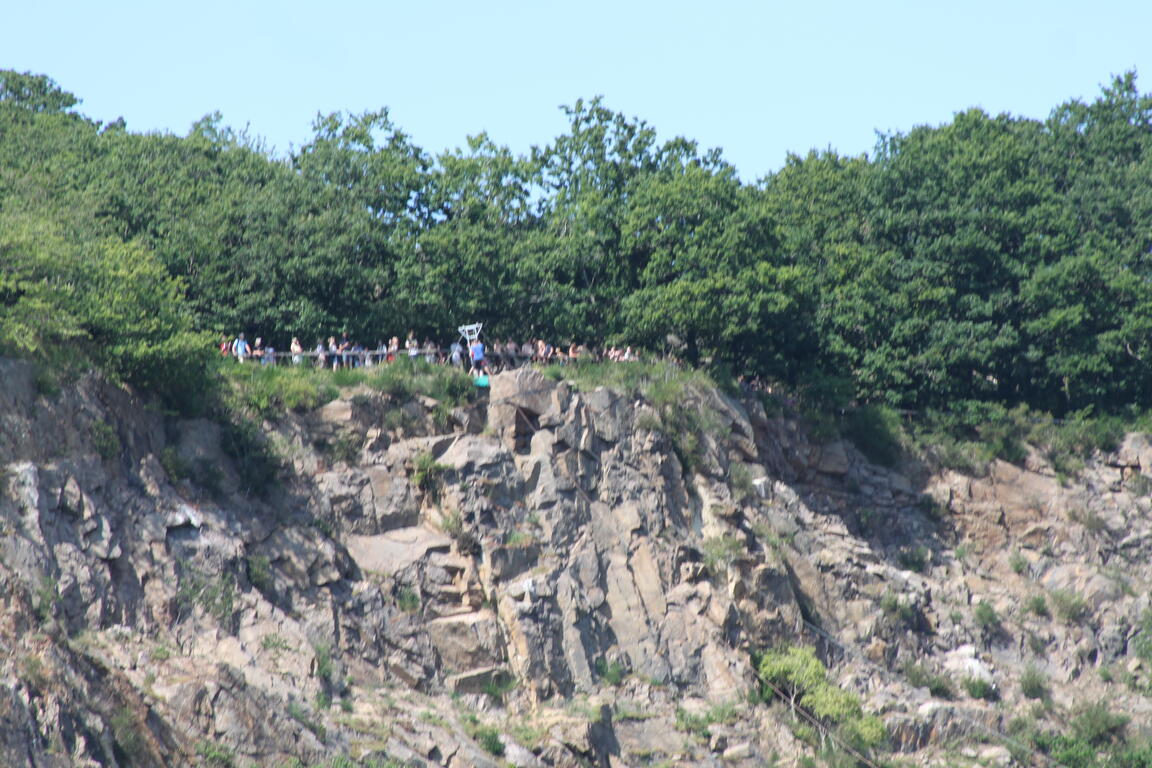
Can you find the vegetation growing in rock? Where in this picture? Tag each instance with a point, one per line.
(45, 599)
(979, 688)
(215, 594)
(128, 732)
(1068, 606)
(1142, 642)
(1037, 605)
(919, 676)
(720, 552)
(498, 687)
(914, 558)
(795, 674)
(215, 756)
(485, 735)
(897, 608)
(1033, 683)
(985, 615)
(428, 474)
(699, 724)
(610, 672)
(259, 572)
(298, 713)
(408, 600)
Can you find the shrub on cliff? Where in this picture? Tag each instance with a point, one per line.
(67, 301)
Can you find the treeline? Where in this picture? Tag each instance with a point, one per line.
(993, 259)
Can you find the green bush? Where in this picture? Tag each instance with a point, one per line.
(699, 724)
(31, 671)
(256, 461)
(175, 466)
(104, 440)
(1033, 683)
(298, 713)
(408, 600)
(633, 380)
(45, 598)
(324, 665)
(1068, 606)
(489, 740)
(914, 558)
(740, 481)
(499, 686)
(215, 755)
(1037, 605)
(345, 448)
(1142, 642)
(215, 594)
(985, 615)
(864, 733)
(259, 569)
(611, 673)
(1067, 442)
(919, 677)
(895, 607)
(65, 285)
(877, 432)
(978, 688)
(970, 435)
(407, 377)
(274, 643)
(1098, 725)
(428, 474)
(273, 390)
(128, 732)
(720, 552)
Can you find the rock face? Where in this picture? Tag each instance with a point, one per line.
(550, 577)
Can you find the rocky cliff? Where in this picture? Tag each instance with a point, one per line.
(548, 577)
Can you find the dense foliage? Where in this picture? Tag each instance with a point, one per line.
(993, 259)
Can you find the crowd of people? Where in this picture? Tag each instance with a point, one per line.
(477, 356)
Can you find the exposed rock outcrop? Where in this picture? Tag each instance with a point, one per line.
(552, 573)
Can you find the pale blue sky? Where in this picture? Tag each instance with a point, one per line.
(758, 79)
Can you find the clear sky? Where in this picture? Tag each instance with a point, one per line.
(757, 79)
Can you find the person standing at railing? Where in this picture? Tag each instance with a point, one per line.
(345, 350)
(476, 352)
(240, 349)
(297, 351)
(321, 358)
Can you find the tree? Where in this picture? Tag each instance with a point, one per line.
(37, 93)
(795, 670)
(463, 263)
(587, 177)
(68, 299)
